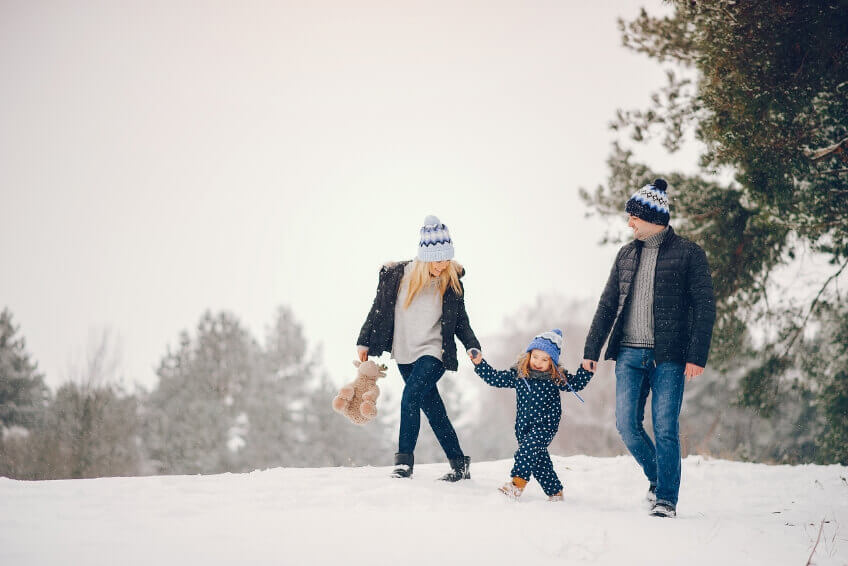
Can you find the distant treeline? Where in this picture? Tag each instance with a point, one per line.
(226, 403)
(223, 403)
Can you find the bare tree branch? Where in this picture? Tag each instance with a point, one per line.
(821, 153)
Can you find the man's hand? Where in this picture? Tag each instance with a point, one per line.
(362, 352)
(475, 355)
(692, 371)
(590, 365)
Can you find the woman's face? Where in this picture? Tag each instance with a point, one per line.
(540, 361)
(436, 267)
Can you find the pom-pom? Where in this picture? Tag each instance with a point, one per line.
(660, 185)
(431, 221)
(558, 331)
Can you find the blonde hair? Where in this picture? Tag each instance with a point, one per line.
(420, 276)
(523, 366)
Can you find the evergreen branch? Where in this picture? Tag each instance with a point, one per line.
(813, 306)
(835, 172)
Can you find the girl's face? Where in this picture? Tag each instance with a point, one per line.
(540, 361)
(436, 267)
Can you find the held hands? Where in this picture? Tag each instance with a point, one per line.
(475, 355)
(590, 365)
(692, 371)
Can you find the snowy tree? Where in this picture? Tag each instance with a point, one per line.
(194, 418)
(223, 403)
(23, 394)
(276, 405)
(763, 87)
(89, 429)
(330, 439)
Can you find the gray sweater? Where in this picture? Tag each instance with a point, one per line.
(418, 329)
(639, 316)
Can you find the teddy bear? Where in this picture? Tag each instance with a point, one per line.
(358, 399)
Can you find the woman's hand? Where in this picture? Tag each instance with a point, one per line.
(475, 355)
(590, 365)
(362, 353)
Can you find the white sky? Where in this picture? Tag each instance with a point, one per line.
(161, 158)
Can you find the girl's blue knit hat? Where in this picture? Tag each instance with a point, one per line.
(549, 342)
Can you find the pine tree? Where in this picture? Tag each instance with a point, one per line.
(23, 394)
(195, 419)
(276, 405)
(764, 88)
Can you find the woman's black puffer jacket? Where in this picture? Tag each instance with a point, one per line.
(378, 331)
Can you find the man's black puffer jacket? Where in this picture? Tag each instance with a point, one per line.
(684, 305)
(378, 331)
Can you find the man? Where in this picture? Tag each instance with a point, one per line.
(658, 302)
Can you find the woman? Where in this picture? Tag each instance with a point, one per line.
(419, 308)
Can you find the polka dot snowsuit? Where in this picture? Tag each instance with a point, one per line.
(537, 419)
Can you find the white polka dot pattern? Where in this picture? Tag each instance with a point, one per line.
(537, 419)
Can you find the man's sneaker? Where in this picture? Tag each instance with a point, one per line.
(403, 465)
(651, 496)
(556, 497)
(460, 470)
(663, 509)
(513, 489)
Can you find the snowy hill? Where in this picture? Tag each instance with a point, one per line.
(730, 513)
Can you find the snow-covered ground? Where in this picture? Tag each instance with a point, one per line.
(729, 513)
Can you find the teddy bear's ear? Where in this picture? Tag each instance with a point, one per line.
(357, 363)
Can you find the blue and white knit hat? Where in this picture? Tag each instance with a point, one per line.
(650, 203)
(435, 243)
(549, 342)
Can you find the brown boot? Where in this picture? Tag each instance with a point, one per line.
(513, 489)
(556, 497)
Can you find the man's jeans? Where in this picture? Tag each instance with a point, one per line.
(420, 394)
(637, 373)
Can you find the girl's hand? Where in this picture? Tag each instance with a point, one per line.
(475, 355)
(590, 365)
(362, 353)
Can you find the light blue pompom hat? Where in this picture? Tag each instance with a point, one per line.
(435, 243)
(549, 342)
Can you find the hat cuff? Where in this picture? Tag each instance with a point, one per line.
(646, 213)
(546, 347)
(435, 253)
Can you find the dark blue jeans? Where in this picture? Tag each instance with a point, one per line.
(637, 374)
(420, 394)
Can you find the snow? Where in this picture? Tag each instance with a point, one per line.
(729, 513)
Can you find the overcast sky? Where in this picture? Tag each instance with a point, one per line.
(162, 158)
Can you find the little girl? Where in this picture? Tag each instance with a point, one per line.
(537, 379)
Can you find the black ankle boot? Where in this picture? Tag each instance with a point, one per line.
(460, 470)
(403, 465)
